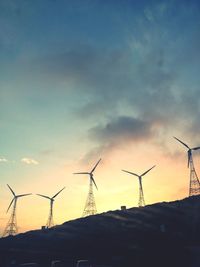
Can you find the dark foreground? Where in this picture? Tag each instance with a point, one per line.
(163, 234)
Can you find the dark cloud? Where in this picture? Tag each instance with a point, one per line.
(122, 129)
(109, 78)
(125, 82)
(84, 65)
(150, 73)
(118, 132)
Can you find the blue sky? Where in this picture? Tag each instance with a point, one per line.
(80, 80)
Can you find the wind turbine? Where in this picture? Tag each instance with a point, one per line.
(194, 188)
(11, 227)
(90, 206)
(50, 222)
(141, 202)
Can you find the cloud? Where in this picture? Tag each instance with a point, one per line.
(118, 132)
(108, 79)
(3, 160)
(142, 83)
(149, 14)
(29, 161)
(121, 128)
(135, 87)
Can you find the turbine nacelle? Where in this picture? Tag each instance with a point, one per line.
(51, 198)
(15, 197)
(189, 152)
(91, 174)
(139, 176)
(141, 201)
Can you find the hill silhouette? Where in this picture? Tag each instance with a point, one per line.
(162, 234)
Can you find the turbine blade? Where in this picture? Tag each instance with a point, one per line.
(95, 166)
(81, 173)
(10, 205)
(24, 195)
(181, 142)
(196, 148)
(94, 182)
(11, 190)
(148, 170)
(43, 196)
(58, 192)
(131, 173)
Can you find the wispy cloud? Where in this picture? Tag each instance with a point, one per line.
(29, 161)
(2, 160)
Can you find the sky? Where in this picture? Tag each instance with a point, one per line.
(83, 80)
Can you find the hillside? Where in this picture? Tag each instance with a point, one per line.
(162, 234)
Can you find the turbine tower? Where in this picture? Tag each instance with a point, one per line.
(194, 187)
(141, 202)
(90, 206)
(11, 227)
(50, 222)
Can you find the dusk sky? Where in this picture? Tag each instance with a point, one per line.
(83, 80)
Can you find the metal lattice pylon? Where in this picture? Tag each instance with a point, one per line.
(11, 227)
(90, 205)
(141, 202)
(194, 188)
(50, 222)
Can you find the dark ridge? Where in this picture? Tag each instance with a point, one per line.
(162, 234)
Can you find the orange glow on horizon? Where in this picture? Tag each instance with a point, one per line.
(166, 182)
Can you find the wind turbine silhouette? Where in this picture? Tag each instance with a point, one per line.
(50, 222)
(141, 201)
(194, 187)
(11, 227)
(90, 205)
